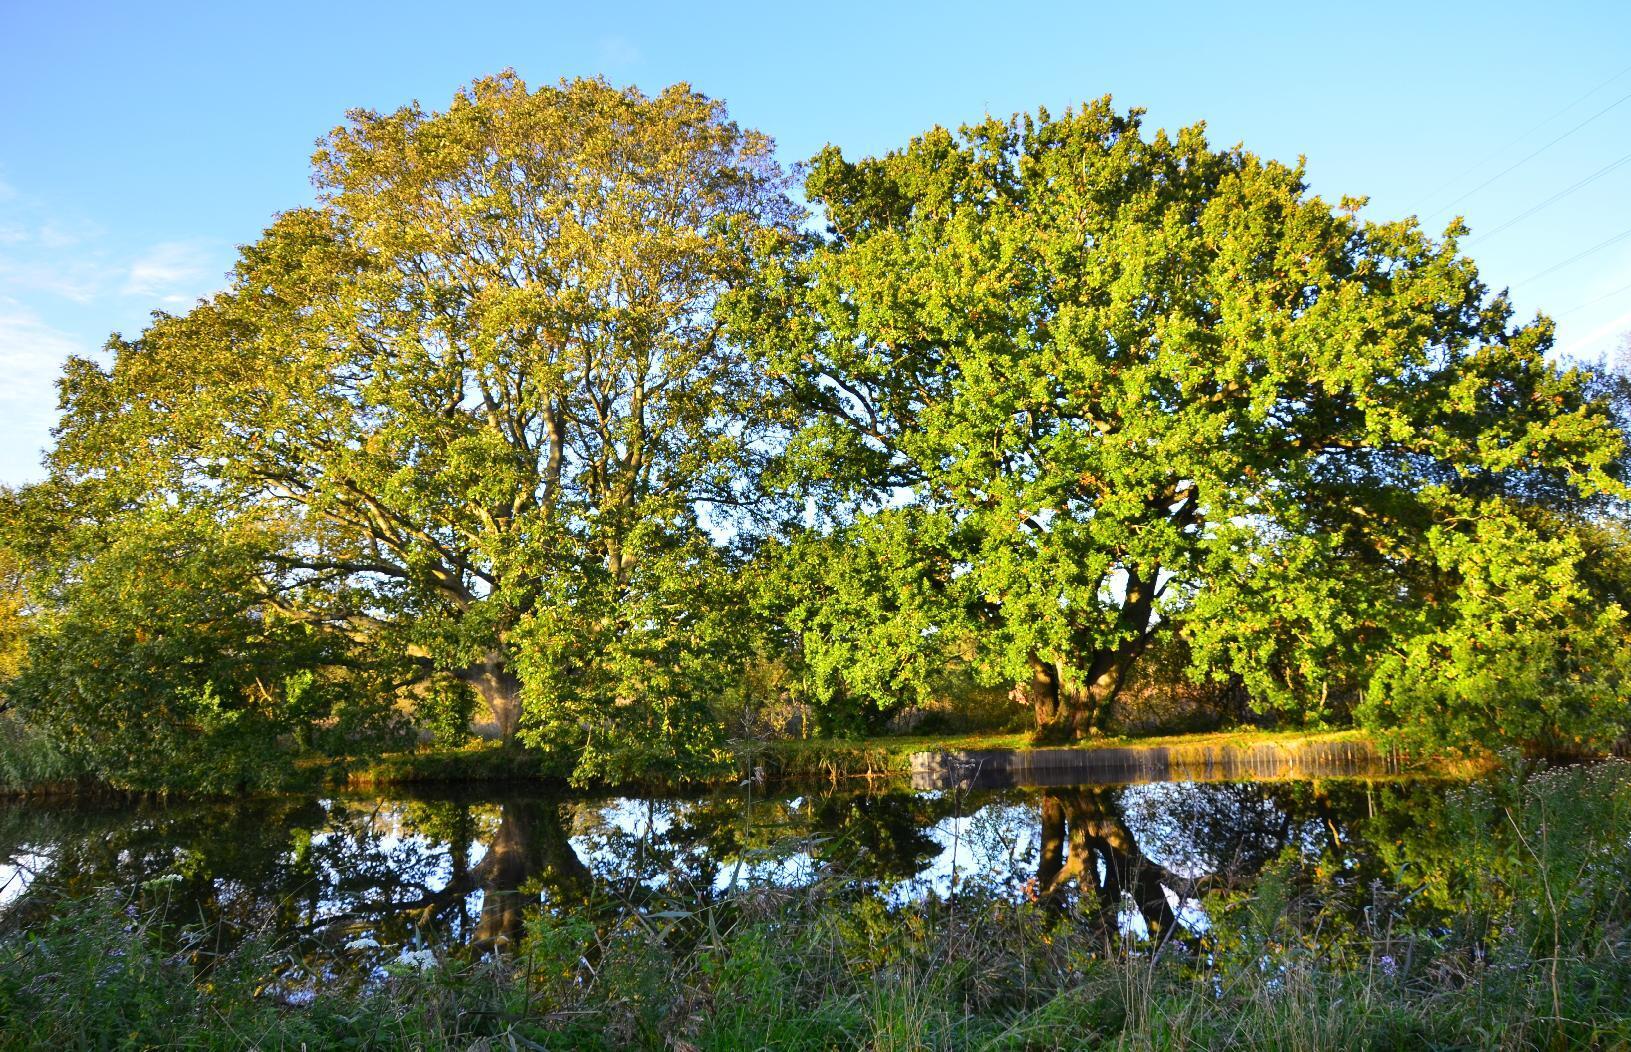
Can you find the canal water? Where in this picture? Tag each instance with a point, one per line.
(460, 873)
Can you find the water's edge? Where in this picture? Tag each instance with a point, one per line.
(989, 768)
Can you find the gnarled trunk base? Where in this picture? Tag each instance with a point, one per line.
(498, 686)
(1068, 711)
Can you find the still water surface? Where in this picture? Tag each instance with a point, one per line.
(460, 873)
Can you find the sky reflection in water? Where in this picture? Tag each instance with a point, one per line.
(465, 872)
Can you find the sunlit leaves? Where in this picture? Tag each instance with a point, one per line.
(479, 385)
(1148, 385)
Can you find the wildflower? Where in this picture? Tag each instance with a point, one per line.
(364, 943)
(1389, 965)
(420, 959)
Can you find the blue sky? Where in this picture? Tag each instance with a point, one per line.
(139, 144)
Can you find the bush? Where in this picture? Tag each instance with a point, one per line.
(28, 759)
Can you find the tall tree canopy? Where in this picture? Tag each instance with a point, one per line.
(502, 412)
(1140, 384)
(479, 397)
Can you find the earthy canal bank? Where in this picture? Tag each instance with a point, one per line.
(990, 759)
(1200, 761)
(983, 760)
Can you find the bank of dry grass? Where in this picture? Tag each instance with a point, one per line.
(892, 756)
(829, 759)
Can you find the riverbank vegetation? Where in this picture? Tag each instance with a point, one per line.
(1501, 923)
(565, 412)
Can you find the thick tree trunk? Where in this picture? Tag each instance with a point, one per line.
(497, 685)
(1048, 701)
(1069, 709)
(1103, 860)
(1050, 866)
(1122, 869)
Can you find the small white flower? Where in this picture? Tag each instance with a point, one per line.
(420, 959)
(364, 943)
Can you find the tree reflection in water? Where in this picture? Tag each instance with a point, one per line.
(1139, 858)
(1102, 859)
(528, 858)
(464, 874)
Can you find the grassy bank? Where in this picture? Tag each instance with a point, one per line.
(1508, 928)
(30, 767)
(821, 759)
(479, 761)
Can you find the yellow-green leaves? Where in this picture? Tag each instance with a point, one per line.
(480, 384)
(1149, 384)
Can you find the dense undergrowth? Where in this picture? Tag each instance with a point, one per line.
(30, 761)
(1506, 924)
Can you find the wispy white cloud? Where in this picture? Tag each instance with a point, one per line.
(57, 234)
(1605, 332)
(64, 283)
(57, 256)
(172, 271)
(1598, 321)
(80, 280)
(45, 254)
(31, 357)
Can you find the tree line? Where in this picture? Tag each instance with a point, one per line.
(573, 404)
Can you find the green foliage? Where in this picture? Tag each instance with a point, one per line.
(1520, 651)
(1138, 384)
(29, 758)
(528, 398)
(346, 711)
(621, 670)
(152, 667)
(13, 610)
(153, 657)
(479, 396)
(444, 708)
(864, 614)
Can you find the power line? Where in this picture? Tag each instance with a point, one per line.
(1531, 156)
(1621, 236)
(1520, 217)
(1532, 130)
(1595, 300)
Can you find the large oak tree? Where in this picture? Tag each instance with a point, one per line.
(480, 395)
(1137, 384)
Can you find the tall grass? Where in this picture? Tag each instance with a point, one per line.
(106, 973)
(1507, 926)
